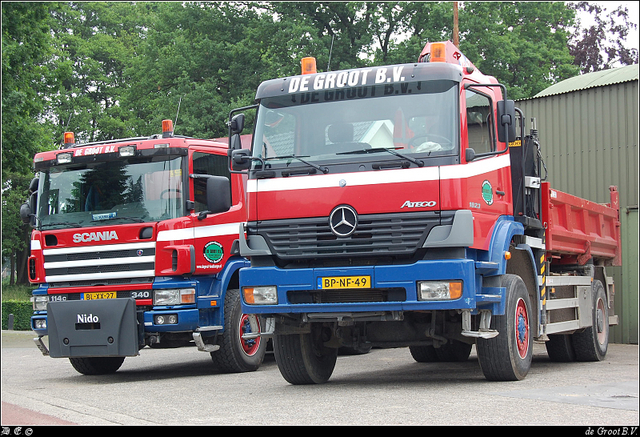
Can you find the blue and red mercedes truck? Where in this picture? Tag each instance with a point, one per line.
(404, 205)
(135, 244)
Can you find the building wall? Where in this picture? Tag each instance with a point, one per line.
(589, 141)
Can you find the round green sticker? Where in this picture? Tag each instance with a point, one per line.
(213, 251)
(487, 192)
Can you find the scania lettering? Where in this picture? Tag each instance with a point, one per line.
(404, 205)
(95, 236)
(135, 245)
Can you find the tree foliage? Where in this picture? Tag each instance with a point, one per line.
(601, 45)
(108, 70)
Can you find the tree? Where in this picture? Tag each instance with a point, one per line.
(603, 44)
(522, 44)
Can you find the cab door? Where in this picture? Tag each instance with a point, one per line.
(213, 234)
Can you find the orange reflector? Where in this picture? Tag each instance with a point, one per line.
(69, 138)
(438, 52)
(308, 65)
(167, 126)
(455, 290)
(507, 255)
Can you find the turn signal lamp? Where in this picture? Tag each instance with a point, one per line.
(438, 52)
(308, 65)
(439, 290)
(167, 128)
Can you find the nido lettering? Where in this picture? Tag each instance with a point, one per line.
(87, 318)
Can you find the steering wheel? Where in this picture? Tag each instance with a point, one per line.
(176, 190)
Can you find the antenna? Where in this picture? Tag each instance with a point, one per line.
(330, 51)
(178, 112)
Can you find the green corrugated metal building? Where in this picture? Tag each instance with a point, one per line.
(588, 129)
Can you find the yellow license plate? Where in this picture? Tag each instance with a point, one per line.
(333, 282)
(103, 295)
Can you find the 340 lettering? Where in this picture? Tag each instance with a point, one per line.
(144, 294)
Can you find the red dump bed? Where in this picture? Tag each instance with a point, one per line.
(578, 229)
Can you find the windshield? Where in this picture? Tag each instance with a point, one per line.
(120, 191)
(413, 120)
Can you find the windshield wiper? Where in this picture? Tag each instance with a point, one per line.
(324, 170)
(383, 149)
(67, 224)
(135, 219)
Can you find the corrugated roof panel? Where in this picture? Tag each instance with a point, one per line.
(591, 80)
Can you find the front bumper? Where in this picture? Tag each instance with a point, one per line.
(395, 277)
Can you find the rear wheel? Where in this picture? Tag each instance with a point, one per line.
(560, 349)
(592, 343)
(507, 357)
(97, 365)
(237, 354)
(303, 358)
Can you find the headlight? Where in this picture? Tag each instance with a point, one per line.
(174, 297)
(39, 302)
(165, 319)
(40, 323)
(439, 290)
(63, 158)
(267, 295)
(127, 151)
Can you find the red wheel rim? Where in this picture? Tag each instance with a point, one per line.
(249, 324)
(522, 329)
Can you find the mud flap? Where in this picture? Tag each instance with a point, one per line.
(93, 328)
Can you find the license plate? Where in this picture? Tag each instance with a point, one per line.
(333, 282)
(103, 295)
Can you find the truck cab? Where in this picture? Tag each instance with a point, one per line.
(394, 206)
(133, 246)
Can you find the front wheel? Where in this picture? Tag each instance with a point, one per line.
(507, 357)
(97, 365)
(238, 354)
(303, 358)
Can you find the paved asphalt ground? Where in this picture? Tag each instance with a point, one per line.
(178, 387)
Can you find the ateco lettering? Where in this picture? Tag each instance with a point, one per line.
(86, 237)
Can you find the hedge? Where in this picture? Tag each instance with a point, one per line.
(21, 311)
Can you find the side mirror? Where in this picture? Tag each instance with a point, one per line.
(506, 118)
(240, 159)
(236, 125)
(469, 154)
(25, 212)
(218, 194)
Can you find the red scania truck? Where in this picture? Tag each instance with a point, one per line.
(404, 205)
(133, 246)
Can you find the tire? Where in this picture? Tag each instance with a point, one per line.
(97, 365)
(453, 351)
(237, 354)
(450, 352)
(303, 359)
(592, 343)
(507, 357)
(560, 348)
(423, 354)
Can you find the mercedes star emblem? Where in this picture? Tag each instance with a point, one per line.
(343, 220)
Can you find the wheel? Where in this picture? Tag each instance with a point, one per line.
(424, 354)
(237, 354)
(303, 359)
(453, 351)
(507, 357)
(560, 349)
(592, 343)
(97, 365)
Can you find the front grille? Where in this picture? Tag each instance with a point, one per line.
(348, 295)
(376, 235)
(112, 264)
